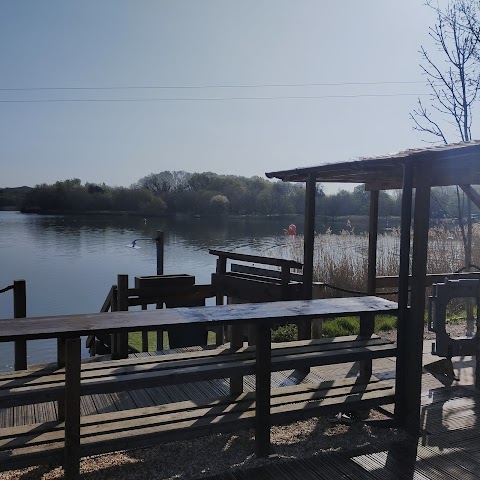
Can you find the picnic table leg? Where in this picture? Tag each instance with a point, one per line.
(72, 409)
(61, 364)
(236, 342)
(263, 366)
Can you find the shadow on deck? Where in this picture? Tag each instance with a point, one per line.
(449, 447)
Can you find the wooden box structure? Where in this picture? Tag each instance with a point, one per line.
(419, 169)
(176, 289)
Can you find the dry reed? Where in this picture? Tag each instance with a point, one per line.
(342, 260)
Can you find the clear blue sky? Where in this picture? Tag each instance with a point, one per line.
(143, 43)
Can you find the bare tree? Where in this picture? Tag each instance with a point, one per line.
(454, 88)
(164, 182)
(454, 80)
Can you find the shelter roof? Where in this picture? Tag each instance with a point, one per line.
(452, 164)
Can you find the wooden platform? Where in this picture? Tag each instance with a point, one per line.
(447, 449)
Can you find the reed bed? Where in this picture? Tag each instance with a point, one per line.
(342, 260)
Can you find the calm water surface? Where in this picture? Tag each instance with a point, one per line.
(70, 262)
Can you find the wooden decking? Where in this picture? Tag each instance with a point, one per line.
(448, 448)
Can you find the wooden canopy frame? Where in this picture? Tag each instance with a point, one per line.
(455, 164)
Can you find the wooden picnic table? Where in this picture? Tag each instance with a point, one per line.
(69, 328)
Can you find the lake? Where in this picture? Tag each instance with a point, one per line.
(70, 262)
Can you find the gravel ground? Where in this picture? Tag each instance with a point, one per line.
(457, 328)
(219, 453)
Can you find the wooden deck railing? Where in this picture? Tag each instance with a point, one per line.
(19, 311)
(69, 328)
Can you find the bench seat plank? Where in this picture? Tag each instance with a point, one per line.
(43, 371)
(112, 376)
(166, 423)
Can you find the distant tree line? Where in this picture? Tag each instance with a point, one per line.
(11, 198)
(207, 193)
(203, 193)
(71, 196)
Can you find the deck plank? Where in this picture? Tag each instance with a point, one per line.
(449, 448)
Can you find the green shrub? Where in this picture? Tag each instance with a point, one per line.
(285, 333)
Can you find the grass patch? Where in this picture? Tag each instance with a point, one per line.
(385, 324)
(339, 327)
(135, 340)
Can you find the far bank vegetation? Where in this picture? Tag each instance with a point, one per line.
(205, 193)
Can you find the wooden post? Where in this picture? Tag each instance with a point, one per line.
(401, 387)
(72, 409)
(309, 237)
(367, 321)
(284, 282)
(61, 352)
(305, 327)
(468, 262)
(20, 311)
(120, 340)
(236, 342)
(414, 339)
(477, 339)
(263, 366)
(160, 243)
(318, 291)
(221, 269)
(220, 332)
(372, 243)
(144, 336)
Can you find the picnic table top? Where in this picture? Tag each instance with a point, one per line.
(86, 324)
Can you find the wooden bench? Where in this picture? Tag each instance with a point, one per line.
(47, 383)
(142, 427)
(127, 429)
